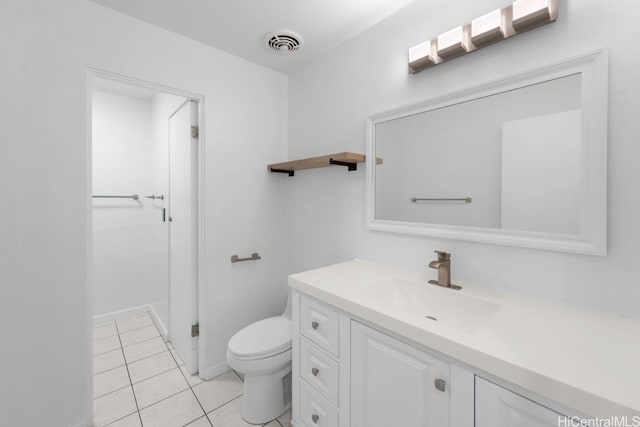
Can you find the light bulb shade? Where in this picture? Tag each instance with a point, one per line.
(528, 14)
(488, 28)
(453, 43)
(421, 57)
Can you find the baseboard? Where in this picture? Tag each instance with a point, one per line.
(158, 322)
(145, 308)
(121, 313)
(214, 371)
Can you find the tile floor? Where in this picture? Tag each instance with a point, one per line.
(139, 380)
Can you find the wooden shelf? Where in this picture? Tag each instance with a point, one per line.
(350, 160)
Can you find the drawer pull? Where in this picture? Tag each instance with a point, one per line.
(315, 371)
(440, 384)
(315, 324)
(315, 418)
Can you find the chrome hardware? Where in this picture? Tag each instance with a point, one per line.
(315, 418)
(440, 384)
(153, 197)
(315, 324)
(462, 199)
(315, 371)
(133, 196)
(443, 265)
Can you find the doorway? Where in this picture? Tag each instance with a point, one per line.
(146, 217)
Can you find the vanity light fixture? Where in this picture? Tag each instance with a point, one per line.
(529, 14)
(500, 24)
(488, 28)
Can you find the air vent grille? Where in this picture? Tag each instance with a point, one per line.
(283, 41)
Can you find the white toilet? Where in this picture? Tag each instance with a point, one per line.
(262, 353)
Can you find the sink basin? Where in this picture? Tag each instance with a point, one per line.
(431, 303)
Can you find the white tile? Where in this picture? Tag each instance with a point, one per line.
(159, 387)
(150, 366)
(106, 345)
(218, 391)
(229, 416)
(191, 379)
(104, 362)
(107, 330)
(177, 410)
(200, 422)
(285, 419)
(144, 349)
(101, 323)
(113, 406)
(132, 420)
(138, 335)
(109, 381)
(134, 322)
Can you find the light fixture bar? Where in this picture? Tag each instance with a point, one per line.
(500, 24)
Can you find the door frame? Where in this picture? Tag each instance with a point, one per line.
(199, 208)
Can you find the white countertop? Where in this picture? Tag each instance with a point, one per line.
(585, 360)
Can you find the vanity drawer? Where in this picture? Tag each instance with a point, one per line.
(320, 324)
(320, 371)
(314, 410)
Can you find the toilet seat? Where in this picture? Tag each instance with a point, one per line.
(265, 338)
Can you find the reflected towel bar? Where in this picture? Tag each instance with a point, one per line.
(254, 257)
(465, 199)
(134, 197)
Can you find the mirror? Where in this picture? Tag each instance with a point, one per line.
(520, 161)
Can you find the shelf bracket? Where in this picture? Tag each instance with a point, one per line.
(290, 172)
(350, 165)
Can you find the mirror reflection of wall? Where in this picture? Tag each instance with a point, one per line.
(517, 154)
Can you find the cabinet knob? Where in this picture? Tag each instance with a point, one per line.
(315, 324)
(315, 418)
(315, 371)
(440, 384)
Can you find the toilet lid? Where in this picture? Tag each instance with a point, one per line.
(271, 335)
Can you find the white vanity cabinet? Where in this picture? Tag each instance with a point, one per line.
(394, 384)
(316, 364)
(348, 372)
(497, 406)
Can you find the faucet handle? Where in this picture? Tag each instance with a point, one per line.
(443, 256)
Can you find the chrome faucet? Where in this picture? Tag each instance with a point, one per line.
(443, 265)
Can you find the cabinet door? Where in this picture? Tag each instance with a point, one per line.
(394, 384)
(498, 407)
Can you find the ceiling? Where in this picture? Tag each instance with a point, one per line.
(239, 26)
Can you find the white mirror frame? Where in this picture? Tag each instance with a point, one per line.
(592, 239)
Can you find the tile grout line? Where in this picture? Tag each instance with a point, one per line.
(115, 323)
(192, 392)
(135, 399)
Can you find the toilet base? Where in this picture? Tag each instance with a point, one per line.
(266, 397)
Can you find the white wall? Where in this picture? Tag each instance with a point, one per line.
(126, 273)
(330, 99)
(44, 176)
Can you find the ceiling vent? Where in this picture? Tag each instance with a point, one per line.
(283, 42)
